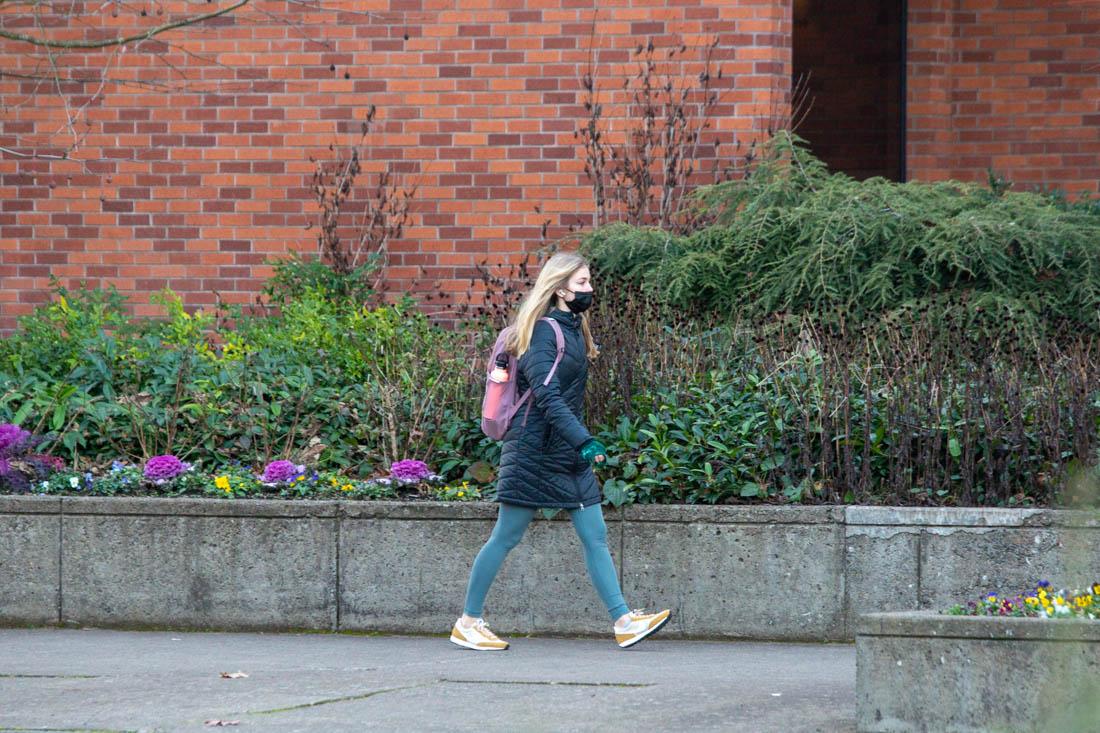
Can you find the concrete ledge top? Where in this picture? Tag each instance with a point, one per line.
(734, 513)
(969, 517)
(418, 510)
(933, 624)
(29, 504)
(852, 516)
(196, 507)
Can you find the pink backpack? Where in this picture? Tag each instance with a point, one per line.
(500, 403)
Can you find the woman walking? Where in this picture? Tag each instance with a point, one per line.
(547, 453)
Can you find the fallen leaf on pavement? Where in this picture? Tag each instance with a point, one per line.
(233, 675)
(218, 723)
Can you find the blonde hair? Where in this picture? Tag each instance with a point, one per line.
(554, 274)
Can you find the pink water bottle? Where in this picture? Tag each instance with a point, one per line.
(495, 389)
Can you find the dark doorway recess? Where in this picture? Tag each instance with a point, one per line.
(853, 54)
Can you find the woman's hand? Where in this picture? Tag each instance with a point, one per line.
(593, 451)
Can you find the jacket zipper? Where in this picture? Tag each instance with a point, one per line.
(546, 447)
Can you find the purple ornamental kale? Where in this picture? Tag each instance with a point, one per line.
(13, 439)
(278, 472)
(12, 480)
(410, 471)
(163, 468)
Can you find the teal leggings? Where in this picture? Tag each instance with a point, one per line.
(512, 522)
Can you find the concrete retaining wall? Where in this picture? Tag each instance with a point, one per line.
(916, 672)
(761, 572)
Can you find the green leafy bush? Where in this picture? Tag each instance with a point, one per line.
(793, 237)
(702, 446)
(821, 416)
(923, 411)
(362, 386)
(295, 276)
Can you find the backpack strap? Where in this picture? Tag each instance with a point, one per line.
(560, 338)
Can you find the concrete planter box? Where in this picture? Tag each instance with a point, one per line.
(754, 572)
(30, 559)
(921, 671)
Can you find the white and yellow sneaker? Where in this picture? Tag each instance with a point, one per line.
(477, 636)
(640, 626)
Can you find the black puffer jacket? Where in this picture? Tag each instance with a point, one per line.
(540, 462)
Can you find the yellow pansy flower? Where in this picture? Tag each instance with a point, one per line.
(222, 482)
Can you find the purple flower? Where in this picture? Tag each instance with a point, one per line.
(12, 438)
(163, 468)
(5, 467)
(281, 471)
(410, 471)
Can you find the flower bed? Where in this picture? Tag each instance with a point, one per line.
(239, 482)
(692, 410)
(22, 471)
(1043, 602)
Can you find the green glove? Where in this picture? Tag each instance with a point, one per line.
(593, 451)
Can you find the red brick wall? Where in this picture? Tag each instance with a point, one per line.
(194, 184)
(1008, 84)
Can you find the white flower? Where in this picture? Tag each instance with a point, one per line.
(74, 482)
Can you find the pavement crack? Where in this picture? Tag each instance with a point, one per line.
(549, 682)
(48, 677)
(329, 700)
(65, 730)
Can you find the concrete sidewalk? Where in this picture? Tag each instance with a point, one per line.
(96, 680)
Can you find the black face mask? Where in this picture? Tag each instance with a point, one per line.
(581, 301)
